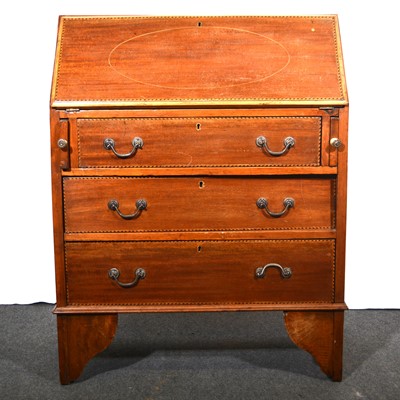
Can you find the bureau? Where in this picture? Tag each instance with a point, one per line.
(199, 164)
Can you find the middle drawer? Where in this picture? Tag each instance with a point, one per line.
(127, 204)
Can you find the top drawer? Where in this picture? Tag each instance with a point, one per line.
(196, 142)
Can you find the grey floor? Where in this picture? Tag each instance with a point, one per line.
(199, 356)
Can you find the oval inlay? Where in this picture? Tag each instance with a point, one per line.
(198, 58)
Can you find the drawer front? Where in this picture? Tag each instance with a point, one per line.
(200, 272)
(197, 204)
(191, 142)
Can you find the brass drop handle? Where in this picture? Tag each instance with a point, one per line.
(137, 143)
(141, 205)
(114, 274)
(262, 204)
(286, 272)
(288, 142)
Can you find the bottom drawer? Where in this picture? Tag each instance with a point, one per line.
(207, 272)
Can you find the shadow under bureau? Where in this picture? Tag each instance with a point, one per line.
(199, 164)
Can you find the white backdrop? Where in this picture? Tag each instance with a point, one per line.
(370, 35)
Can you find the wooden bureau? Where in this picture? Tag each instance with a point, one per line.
(199, 164)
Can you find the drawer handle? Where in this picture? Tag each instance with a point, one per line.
(286, 272)
(137, 143)
(288, 142)
(141, 205)
(262, 203)
(114, 274)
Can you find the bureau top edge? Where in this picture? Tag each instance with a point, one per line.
(188, 61)
(192, 104)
